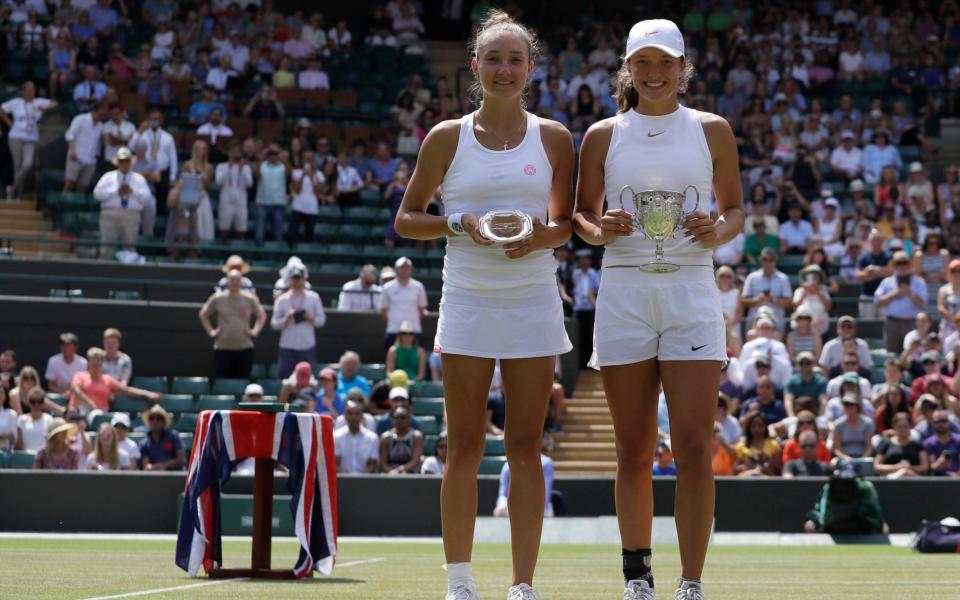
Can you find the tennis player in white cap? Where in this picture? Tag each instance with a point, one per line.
(654, 328)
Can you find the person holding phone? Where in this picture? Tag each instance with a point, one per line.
(296, 313)
(900, 296)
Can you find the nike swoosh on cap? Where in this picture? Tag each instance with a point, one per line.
(651, 134)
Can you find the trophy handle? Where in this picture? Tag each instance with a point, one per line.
(622, 190)
(696, 204)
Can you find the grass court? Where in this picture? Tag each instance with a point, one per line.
(68, 569)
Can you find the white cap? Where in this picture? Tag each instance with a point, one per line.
(916, 167)
(403, 260)
(831, 201)
(655, 33)
(253, 389)
(856, 185)
(120, 419)
(764, 323)
(398, 392)
(826, 191)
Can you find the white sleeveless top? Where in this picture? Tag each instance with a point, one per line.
(480, 180)
(667, 152)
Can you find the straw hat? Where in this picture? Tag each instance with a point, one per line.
(156, 409)
(236, 262)
(58, 425)
(123, 153)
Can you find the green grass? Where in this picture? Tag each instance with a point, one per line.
(74, 569)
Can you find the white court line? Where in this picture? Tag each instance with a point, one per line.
(345, 565)
(170, 589)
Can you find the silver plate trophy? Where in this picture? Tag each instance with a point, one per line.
(659, 214)
(504, 226)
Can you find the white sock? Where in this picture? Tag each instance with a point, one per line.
(456, 571)
(689, 583)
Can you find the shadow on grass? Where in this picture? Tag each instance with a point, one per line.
(846, 539)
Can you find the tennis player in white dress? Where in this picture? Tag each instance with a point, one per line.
(659, 328)
(499, 302)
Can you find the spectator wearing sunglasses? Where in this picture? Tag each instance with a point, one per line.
(161, 449)
(35, 423)
(809, 464)
(943, 447)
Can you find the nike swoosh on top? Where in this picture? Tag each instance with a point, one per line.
(651, 134)
(695, 348)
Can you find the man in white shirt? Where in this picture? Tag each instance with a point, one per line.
(83, 141)
(357, 448)
(238, 51)
(362, 293)
(845, 160)
(214, 127)
(296, 313)
(121, 426)
(161, 150)
(63, 366)
(89, 91)
(117, 132)
(234, 178)
(313, 77)
(122, 194)
(349, 182)
(403, 299)
(217, 76)
(795, 233)
(314, 34)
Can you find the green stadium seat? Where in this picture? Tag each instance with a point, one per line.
(428, 407)
(429, 425)
(153, 384)
(59, 399)
(329, 213)
(493, 446)
(129, 405)
(186, 423)
(229, 386)
(100, 420)
(429, 445)
(361, 214)
(371, 196)
(354, 232)
(190, 385)
(326, 231)
(271, 387)
(258, 371)
(187, 439)
(374, 372)
(65, 293)
(427, 389)
(347, 249)
(137, 436)
(123, 295)
(179, 403)
(492, 465)
(272, 370)
(21, 459)
(216, 402)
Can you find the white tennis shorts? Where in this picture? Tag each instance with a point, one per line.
(523, 322)
(667, 316)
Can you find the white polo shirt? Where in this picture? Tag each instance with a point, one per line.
(403, 303)
(58, 370)
(355, 450)
(86, 135)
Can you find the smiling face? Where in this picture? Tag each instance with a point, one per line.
(655, 74)
(502, 64)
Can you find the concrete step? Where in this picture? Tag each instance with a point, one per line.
(584, 437)
(580, 455)
(585, 446)
(582, 466)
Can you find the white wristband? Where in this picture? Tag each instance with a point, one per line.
(454, 224)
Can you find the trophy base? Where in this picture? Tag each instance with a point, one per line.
(659, 267)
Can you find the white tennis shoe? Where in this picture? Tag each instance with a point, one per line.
(462, 589)
(694, 592)
(639, 589)
(522, 591)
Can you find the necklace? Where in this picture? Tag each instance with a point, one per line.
(505, 141)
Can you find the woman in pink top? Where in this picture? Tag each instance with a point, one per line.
(94, 390)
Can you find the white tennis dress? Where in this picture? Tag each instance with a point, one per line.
(493, 306)
(669, 316)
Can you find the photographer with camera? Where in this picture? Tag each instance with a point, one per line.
(900, 296)
(296, 313)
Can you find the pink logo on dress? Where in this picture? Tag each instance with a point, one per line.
(437, 349)
(530, 170)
